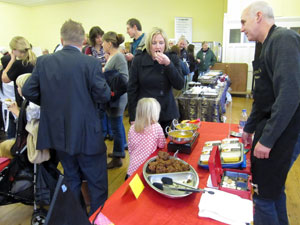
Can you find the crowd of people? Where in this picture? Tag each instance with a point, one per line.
(79, 102)
(78, 89)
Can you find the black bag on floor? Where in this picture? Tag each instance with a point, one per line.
(46, 180)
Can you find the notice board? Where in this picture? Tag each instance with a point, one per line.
(184, 27)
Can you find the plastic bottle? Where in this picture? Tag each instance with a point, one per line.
(243, 120)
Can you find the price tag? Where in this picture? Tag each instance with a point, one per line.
(136, 186)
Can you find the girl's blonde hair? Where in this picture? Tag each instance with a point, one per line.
(21, 44)
(22, 79)
(147, 113)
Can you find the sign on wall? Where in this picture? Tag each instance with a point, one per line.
(184, 27)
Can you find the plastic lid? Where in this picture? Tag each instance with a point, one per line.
(244, 110)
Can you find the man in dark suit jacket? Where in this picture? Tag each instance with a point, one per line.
(69, 86)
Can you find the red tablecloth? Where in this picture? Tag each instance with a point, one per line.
(152, 208)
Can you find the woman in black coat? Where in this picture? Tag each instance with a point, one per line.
(21, 60)
(154, 73)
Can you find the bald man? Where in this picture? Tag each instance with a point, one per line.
(275, 115)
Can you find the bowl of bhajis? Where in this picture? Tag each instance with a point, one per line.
(170, 176)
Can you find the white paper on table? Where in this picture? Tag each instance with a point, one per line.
(209, 183)
(225, 207)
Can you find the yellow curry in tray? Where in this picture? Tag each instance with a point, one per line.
(186, 126)
(180, 134)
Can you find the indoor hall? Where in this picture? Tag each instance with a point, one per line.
(213, 21)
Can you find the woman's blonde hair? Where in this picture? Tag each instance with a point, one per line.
(147, 113)
(152, 33)
(21, 44)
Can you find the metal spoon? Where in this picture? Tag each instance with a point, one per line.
(169, 181)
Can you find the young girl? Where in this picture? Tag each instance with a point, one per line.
(145, 135)
(32, 113)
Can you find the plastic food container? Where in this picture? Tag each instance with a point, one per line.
(232, 155)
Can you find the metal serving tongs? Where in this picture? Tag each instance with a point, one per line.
(162, 187)
(169, 181)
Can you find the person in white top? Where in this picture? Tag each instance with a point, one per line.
(7, 93)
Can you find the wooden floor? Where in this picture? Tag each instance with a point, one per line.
(18, 214)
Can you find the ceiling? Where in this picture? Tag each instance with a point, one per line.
(36, 2)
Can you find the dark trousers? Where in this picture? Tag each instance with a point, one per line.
(270, 212)
(11, 132)
(274, 212)
(105, 123)
(119, 135)
(93, 168)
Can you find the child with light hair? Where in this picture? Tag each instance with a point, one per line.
(145, 135)
(5, 146)
(32, 110)
(32, 117)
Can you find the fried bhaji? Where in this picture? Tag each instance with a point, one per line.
(165, 164)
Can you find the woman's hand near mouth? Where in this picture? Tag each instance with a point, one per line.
(162, 59)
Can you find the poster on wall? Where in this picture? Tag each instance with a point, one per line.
(184, 27)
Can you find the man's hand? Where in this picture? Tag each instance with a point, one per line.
(247, 139)
(129, 56)
(261, 151)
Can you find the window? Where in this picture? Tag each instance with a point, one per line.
(235, 36)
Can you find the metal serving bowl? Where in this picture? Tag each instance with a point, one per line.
(188, 177)
(187, 127)
(181, 136)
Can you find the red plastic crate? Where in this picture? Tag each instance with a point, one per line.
(217, 173)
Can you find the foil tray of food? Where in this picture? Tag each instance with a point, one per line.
(232, 153)
(181, 173)
(209, 94)
(208, 79)
(190, 94)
